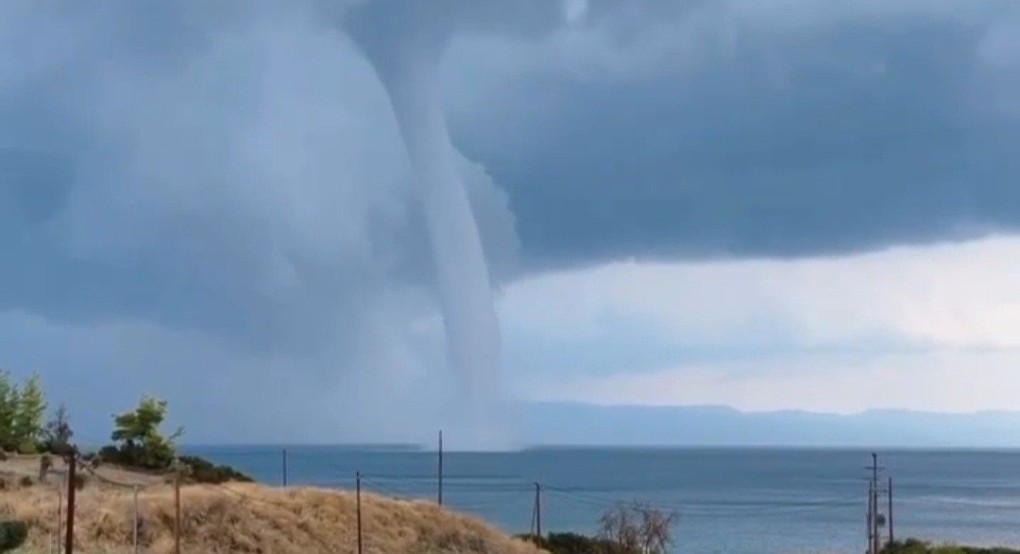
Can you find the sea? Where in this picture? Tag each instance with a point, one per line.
(730, 500)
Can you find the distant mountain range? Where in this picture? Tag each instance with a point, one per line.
(588, 424)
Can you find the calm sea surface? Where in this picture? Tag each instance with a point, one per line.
(735, 500)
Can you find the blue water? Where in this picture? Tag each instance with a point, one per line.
(754, 501)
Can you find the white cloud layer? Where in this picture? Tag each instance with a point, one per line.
(935, 327)
(931, 381)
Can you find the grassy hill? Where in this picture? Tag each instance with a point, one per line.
(251, 518)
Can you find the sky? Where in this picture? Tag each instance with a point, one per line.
(769, 205)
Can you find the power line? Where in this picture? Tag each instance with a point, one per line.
(392, 492)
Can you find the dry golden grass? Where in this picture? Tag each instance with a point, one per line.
(255, 519)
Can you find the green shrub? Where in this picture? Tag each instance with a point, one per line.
(112, 455)
(201, 470)
(12, 534)
(915, 546)
(197, 470)
(25, 481)
(573, 543)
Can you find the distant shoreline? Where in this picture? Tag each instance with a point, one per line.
(396, 447)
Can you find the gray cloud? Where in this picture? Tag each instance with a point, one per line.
(716, 128)
(211, 201)
(165, 168)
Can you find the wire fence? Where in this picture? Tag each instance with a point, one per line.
(523, 504)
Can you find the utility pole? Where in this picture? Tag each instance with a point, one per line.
(538, 515)
(357, 480)
(869, 520)
(284, 468)
(135, 527)
(874, 516)
(892, 535)
(874, 489)
(71, 466)
(177, 507)
(60, 518)
(440, 467)
(874, 476)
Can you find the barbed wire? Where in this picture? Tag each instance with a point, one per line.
(484, 492)
(94, 473)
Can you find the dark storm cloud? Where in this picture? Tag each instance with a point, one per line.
(199, 197)
(217, 190)
(127, 190)
(779, 139)
(229, 167)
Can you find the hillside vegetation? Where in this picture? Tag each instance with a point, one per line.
(220, 513)
(249, 518)
(915, 546)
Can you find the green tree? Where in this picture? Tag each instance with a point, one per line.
(30, 405)
(140, 442)
(8, 404)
